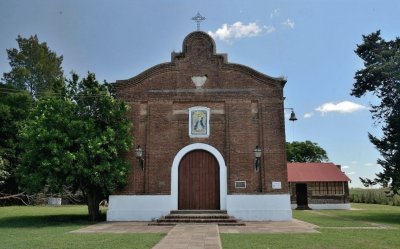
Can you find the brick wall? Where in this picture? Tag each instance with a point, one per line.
(246, 110)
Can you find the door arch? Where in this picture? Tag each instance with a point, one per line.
(223, 187)
(198, 183)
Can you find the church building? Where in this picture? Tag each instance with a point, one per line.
(208, 134)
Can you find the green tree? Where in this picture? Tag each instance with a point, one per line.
(4, 174)
(34, 67)
(305, 152)
(15, 106)
(381, 78)
(76, 142)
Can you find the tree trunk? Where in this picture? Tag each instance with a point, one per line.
(93, 200)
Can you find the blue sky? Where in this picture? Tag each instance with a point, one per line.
(311, 43)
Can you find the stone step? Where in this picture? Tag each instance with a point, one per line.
(155, 223)
(174, 224)
(231, 224)
(198, 220)
(219, 217)
(205, 211)
(303, 208)
(198, 216)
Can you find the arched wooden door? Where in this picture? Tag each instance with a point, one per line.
(198, 181)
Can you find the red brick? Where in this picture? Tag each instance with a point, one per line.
(246, 110)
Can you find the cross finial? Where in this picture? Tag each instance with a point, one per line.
(198, 19)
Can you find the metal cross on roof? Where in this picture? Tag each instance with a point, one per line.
(198, 19)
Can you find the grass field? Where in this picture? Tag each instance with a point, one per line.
(48, 227)
(372, 226)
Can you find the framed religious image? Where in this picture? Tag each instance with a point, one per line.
(199, 121)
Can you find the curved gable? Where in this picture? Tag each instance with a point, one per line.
(199, 59)
(198, 39)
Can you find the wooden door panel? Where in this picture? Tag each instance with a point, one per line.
(198, 181)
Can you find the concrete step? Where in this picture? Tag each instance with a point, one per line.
(303, 208)
(198, 216)
(231, 224)
(174, 224)
(198, 220)
(205, 211)
(219, 217)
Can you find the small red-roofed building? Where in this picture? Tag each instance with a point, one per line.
(318, 186)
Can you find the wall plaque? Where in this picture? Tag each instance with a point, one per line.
(199, 121)
(240, 184)
(276, 185)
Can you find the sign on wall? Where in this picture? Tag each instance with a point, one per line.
(199, 121)
(276, 185)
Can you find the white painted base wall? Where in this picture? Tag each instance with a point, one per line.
(326, 206)
(244, 207)
(138, 207)
(260, 207)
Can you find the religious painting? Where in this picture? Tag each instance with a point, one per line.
(199, 121)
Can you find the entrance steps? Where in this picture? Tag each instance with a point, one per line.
(219, 217)
(303, 207)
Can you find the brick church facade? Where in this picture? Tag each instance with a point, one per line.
(198, 120)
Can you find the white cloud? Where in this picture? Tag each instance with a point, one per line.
(370, 164)
(308, 115)
(341, 107)
(353, 162)
(238, 30)
(269, 29)
(350, 173)
(274, 13)
(345, 167)
(289, 23)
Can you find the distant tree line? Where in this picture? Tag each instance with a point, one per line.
(374, 196)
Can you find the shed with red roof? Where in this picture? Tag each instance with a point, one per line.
(318, 186)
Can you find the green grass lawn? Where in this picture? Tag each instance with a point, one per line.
(338, 229)
(49, 227)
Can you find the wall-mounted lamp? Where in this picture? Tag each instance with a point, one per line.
(139, 156)
(257, 153)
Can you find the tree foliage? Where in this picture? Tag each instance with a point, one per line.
(34, 67)
(381, 77)
(76, 142)
(305, 152)
(4, 174)
(14, 109)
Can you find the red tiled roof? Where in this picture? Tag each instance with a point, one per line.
(315, 172)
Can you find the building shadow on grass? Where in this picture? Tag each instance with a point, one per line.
(380, 218)
(47, 220)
